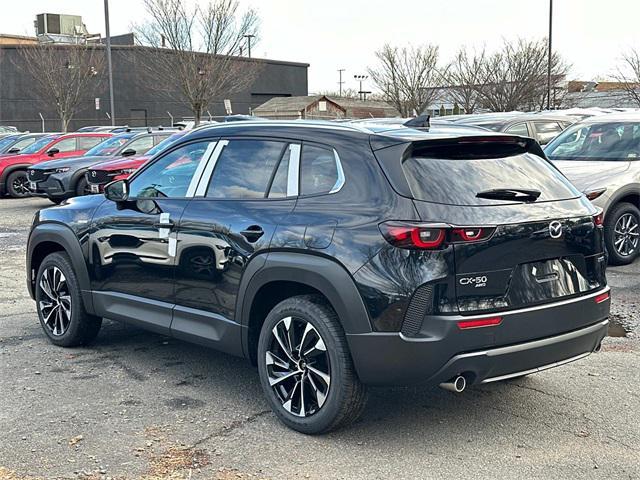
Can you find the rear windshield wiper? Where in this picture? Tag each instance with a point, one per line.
(522, 194)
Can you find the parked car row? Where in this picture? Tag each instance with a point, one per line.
(599, 154)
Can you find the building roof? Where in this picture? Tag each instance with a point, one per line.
(354, 108)
(287, 104)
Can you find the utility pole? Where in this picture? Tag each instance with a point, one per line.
(249, 37)
(549, 55)
(340, 82)
(109, 67)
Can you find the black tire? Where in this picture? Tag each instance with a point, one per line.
(82, 187)
(345, 396)
(618, 256)
(81, 328)
(18, 184)
(56, 200)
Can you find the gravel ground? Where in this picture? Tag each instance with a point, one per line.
(138, 405)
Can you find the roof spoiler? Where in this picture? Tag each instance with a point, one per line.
(421, 122)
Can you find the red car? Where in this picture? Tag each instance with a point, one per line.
(119, 169)
(13, 168)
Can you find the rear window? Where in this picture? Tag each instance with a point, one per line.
(457, 181)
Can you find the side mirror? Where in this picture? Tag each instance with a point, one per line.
(117, 191)
(128, 152)
(13, 150)
(52, 151)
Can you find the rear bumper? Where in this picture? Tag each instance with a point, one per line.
(392, 359)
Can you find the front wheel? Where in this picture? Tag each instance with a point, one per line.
(59, 303)
(83, 187)
(305, 367)
(18, 184)
(622, 233)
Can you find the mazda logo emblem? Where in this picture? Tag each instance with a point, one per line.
(555, 229)
(93, 174)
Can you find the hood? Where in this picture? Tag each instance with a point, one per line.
(585, 174)
(122, 163)
(75, 162)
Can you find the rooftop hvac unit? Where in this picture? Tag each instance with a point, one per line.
(55, 24)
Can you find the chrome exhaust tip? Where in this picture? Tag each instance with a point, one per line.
(456, 384)
(598, 348)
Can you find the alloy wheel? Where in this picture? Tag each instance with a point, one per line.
(55, 303)
(21, 185)
(626, 235)
(298, 367)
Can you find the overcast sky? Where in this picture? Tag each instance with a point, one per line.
(333, 34)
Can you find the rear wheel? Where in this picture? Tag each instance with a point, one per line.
(18, 184)
(622, 233)
(59, 303)
(306, 369)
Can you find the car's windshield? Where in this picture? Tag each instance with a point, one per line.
(109, 146)
(164, 144)
(37, 145)
(613, 141)
(7, 142)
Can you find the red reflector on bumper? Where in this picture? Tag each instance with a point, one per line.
(603, 297)
(481, 322)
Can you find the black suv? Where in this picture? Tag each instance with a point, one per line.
(334, 257)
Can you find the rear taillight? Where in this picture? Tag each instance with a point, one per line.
(418, 236)
(603, 297)
(598, 220)
(479, 323)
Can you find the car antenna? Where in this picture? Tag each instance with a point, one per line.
(421, 122)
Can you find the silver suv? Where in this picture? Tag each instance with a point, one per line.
(601, 156)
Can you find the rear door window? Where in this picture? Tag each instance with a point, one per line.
(85, 143)
(458, 181)
(519, 129)
(245, 168)
(66, 145)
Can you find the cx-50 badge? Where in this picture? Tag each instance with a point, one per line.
(477, 282)
(555, 229)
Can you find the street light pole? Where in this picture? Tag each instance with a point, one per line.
(249, 37)
(109, 67)
(549, 55)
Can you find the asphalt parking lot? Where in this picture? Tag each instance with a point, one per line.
(139, 405)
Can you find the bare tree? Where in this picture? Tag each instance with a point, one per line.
(515, 77)
(196, 50)
(406, 76)
(63, 75)
(628, 74)
(462, 77)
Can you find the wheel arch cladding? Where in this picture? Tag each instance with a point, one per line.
(4, 175)
(47, 238)
(283, 275)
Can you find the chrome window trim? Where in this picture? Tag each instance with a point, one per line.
(203, 183)
(293, 174)
(199, 169)
(340, 181)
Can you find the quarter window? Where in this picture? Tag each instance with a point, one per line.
(170, 175)
(320, 170)
(244, 169)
